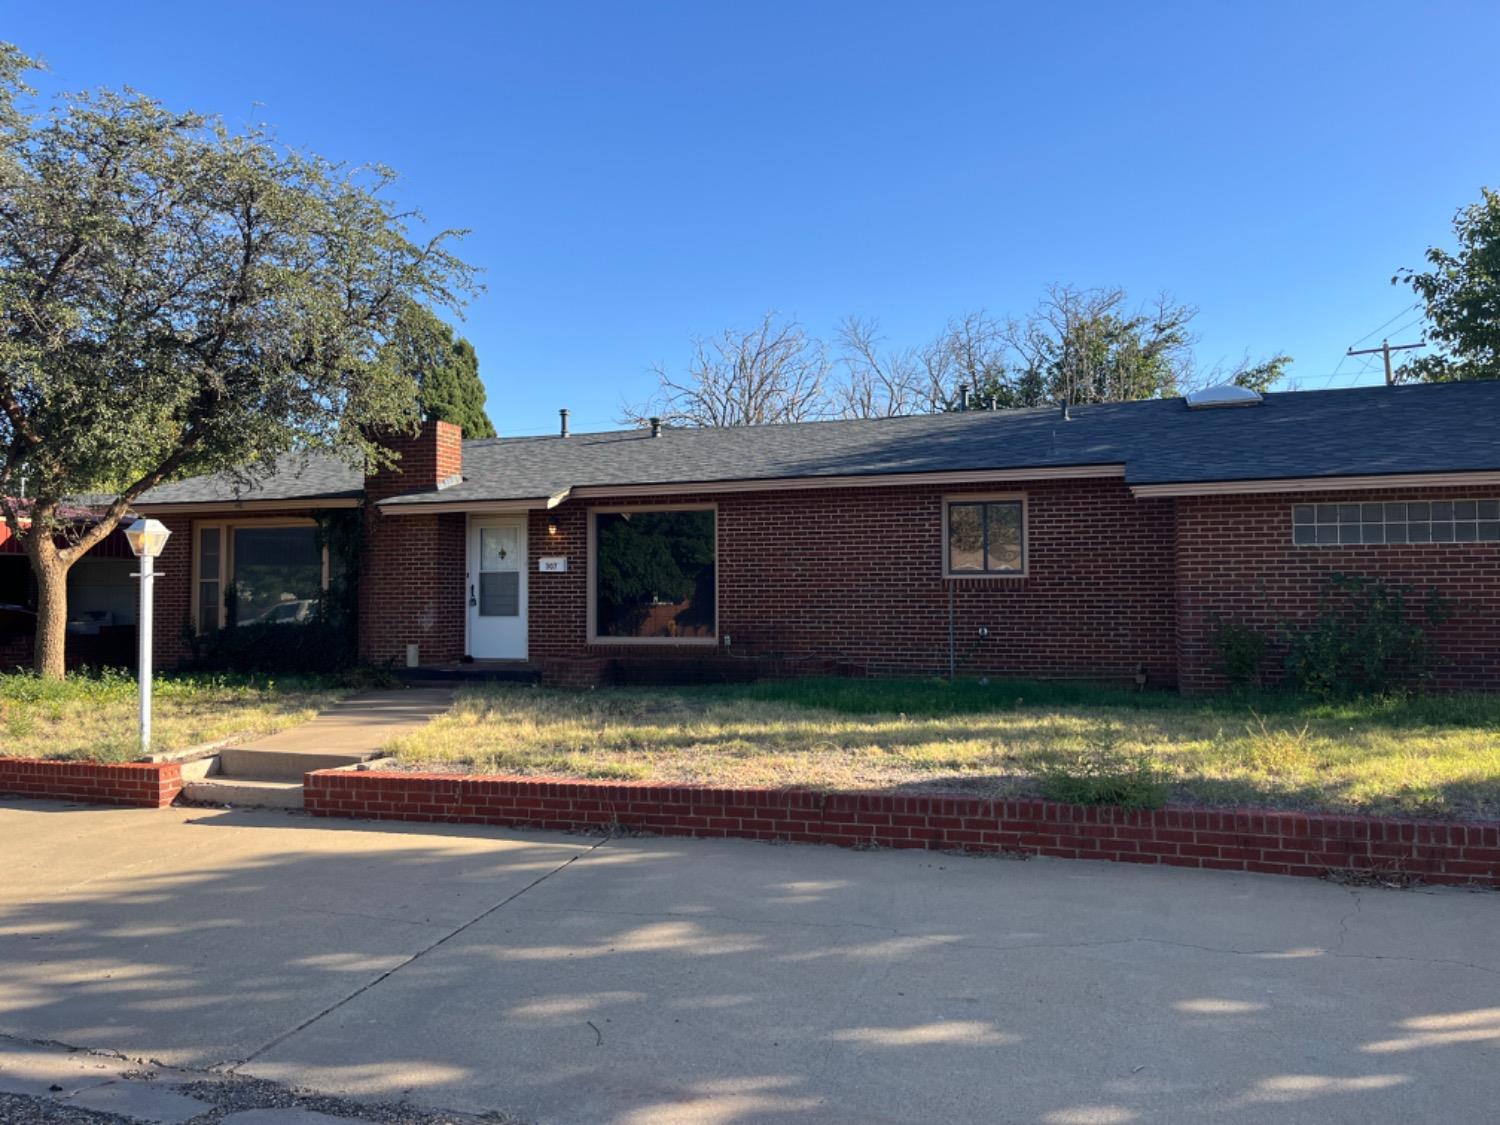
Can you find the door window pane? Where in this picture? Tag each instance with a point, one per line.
(499, 593)
(499, 548)
(654, 574)
(278, 574)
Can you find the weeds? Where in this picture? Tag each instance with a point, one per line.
(1436, 756)
(1104, 773)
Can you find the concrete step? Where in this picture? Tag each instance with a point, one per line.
(243, 792)
(476, 672)
(281, 765)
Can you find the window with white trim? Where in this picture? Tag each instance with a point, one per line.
(1396, 521)
(275, 570)
(984, 536)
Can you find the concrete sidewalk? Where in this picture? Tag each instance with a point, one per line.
(634, 980)
(359, 724)
(269, 771)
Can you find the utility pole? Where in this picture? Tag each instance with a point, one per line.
(1385, 349)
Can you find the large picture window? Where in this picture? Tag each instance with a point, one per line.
(653, 576)
(278, 574)
(274, 573)
(985, 537)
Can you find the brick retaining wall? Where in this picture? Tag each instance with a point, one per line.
(142, 784)
(1278, 843)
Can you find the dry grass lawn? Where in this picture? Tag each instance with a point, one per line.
(1432, 756)
(94, 718)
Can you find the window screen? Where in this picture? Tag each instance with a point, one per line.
(499, 593)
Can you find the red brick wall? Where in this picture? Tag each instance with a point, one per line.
(141, 784)
(412, 587)
(1235, 559)
(1276, 843)
(173, 594)
(855, 575)
(429, 459)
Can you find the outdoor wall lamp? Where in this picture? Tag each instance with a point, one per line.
(147, 539)
(552, 526)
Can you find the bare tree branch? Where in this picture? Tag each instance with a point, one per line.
(774, 372)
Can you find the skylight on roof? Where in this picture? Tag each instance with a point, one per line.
(1225, 394)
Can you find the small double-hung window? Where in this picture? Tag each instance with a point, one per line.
(985, 536)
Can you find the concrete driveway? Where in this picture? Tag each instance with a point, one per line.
(573, 979)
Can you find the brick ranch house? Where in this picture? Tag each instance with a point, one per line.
(1104, 542)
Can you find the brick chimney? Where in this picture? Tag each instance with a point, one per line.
(432, 458)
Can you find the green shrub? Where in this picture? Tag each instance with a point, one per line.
(1364, 640)
(1103, 774)
(1241, 651)
(302, 648)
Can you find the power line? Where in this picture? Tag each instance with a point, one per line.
(1398, 316)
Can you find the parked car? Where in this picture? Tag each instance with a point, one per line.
(302, 609)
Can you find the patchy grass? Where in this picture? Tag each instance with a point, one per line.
(93, 717)
(1430, 756)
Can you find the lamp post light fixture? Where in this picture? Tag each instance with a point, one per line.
(146, 539)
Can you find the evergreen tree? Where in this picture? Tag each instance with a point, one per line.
(447, 372)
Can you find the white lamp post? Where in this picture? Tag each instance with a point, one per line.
(146, 539)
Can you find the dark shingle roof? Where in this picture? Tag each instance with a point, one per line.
(294, 477)
(1368, 431)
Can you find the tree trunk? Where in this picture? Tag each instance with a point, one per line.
(51, 605)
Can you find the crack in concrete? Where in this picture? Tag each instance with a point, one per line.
(1345, 920)
(231, 1066)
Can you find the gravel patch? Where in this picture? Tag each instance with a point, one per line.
(19, 1109)
(238, 1093)
(233, 1095)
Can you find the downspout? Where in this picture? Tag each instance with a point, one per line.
(952, 639)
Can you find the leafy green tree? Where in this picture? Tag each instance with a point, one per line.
(1462, 295)
(446, 371)
(1260, 376)
(175, 299)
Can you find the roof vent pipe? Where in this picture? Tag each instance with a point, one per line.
(655, 426)
(563, 414)
(1066, 414)
(963, 396)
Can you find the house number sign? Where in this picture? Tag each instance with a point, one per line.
(555, 565)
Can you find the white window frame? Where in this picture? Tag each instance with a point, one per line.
(226, 557)
(989, 498)
(592, 573)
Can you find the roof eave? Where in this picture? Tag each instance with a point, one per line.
(1463, 478)
(417, 507)
(293, 504)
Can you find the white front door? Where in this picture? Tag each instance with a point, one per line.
(497, 587)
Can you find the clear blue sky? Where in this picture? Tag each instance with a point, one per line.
(637, 173)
